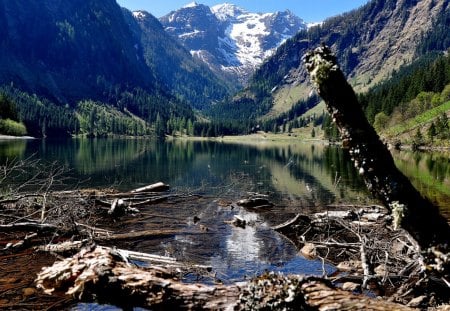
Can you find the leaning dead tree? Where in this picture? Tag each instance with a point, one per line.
(107, 275)
(374, 162)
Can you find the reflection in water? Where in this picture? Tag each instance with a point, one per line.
(430, 174)
(12, 149)
(296, 176)
(319, 173)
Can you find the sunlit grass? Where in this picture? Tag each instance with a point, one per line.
(420, 120)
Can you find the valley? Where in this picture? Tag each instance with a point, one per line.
(207, 71)
(98, 102)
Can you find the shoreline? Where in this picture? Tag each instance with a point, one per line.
(255, 138)
(9, 137)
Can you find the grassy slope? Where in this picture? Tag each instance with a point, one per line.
(286, 97)
(408, 128)
(420, 120)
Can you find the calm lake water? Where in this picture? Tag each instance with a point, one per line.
(297, 177)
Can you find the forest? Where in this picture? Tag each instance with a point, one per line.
(410, 91)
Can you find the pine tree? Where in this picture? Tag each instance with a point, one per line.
(431, 132)
(159, 127)
(442, 127)
(8, 109)
(190, 128)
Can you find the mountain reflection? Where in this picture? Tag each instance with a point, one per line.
(297, 177)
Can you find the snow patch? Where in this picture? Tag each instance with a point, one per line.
(309, 25)
(248, 33)
(190, 34)
(139, 14)
(244, 39)
(227, 11)
(190, 5)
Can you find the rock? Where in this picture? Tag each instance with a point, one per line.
(309, 251)
(237, 222)
(29, 291)
(255, 203)
(350, 286)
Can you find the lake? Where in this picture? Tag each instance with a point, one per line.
(297, 177)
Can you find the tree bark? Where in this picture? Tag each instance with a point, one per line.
(102, 273)
(372, 158)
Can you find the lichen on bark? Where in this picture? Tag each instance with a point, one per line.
(371, 156)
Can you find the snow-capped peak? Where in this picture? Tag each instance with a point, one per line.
(191, 5)
(226, 11)
(229, 38)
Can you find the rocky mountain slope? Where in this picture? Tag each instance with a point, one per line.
(72, 50)
(68, 50)
(187, 77)
(370, 42)
(231, 40)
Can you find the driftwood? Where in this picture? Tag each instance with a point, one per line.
(127, 256)
(372, 158)
(105, 274)
(157, 187)
(139, 235)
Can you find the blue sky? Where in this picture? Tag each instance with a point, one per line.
(308, 10)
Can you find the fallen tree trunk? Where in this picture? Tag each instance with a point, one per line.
(371, 157)
(102, 273)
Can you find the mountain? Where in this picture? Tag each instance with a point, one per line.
(232, 41)
(370, 42)
(189, 78)
(67, 51)
(87, 49)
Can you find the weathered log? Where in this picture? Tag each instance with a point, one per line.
(102, 273)
(157, 187)
(126, 255)
(336, 214)
(67, 246)
(140, 234)
(372, 158)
